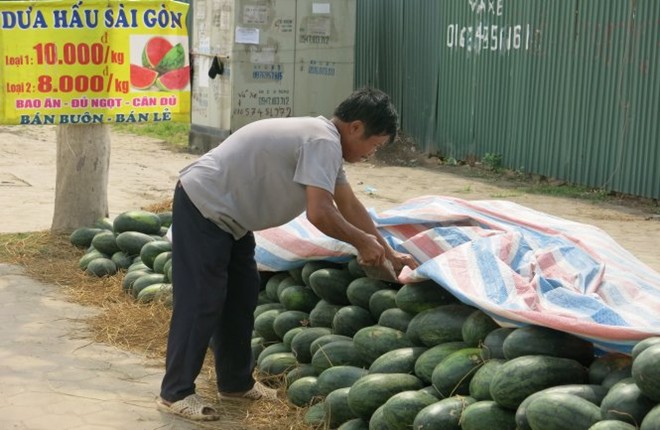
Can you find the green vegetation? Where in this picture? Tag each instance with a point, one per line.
(173, 133)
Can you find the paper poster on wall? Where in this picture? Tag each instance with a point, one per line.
(247, 35)
(321, 8)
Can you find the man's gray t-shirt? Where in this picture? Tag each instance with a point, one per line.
(256, 178)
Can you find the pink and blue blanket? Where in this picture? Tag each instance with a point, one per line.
(518, 265)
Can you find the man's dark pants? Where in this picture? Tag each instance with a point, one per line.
(215, 284)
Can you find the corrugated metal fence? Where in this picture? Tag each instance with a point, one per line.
(568, 89)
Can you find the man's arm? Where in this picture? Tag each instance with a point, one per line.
(354, 212)
(322, 212)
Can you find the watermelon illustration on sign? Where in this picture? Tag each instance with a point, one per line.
(163, 65)
(142, 78)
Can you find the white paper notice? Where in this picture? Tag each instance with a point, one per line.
(204, 66)
(247, 35)
(320, 7)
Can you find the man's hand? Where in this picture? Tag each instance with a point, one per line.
(370, 251)
(399, 259)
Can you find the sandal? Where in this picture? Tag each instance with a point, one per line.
(258, 392)
(192, 407)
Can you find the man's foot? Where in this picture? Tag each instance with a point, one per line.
(192, 407)
(258, 392)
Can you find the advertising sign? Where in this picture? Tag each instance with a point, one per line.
(90, 62)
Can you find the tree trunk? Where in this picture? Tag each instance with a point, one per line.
(81, 183)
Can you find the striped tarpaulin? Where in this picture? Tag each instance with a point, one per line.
(518, 265)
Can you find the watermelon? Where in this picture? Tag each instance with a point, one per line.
(400, 410)
(273, 283)
(130, 278)
(492, 345)
(154, 51)
(372, 391)
(301, 343)
(144, 281)
(354, 424)
(452, 375)
(430, 358)
(537, 340)
(101, 267)
(105, 242)
(336, 407)
(137, 220)
(359, 291)
(400, 360)
(340, 352)
(142, 78)
(340, 376)
(274, 348)
(616, 376)
(439, 325)
(380, 301)
(174, 80)
(613, 425)
(652, 420)
(395, 318)
(522, 376)
(103, 223)
(260, 309)
(377, 420)
(121, 259)
(154, 292)
(312, 266)
(476, 327)
(626, 402)
(489, 415)
(480, 384)
(422, 296)
(289, 335)
(160, 260)
(151, 250)
(643, 344)
(287, 320)
(89, 256)
(278, 363)
(82, 237)
(606, 364)
(324, 340)
(444, 414)
(349, 319)
(296, 274)
(646, 372)
(165, 218)
(355, 269)
(131, 242)
(315, 415)
(561, 411)
(303, 391)
(263, 325)
(331, 285)
(298, 298)
(372, 342)
(289, 281)
(592, 393)
(300, 371)
(323, 314)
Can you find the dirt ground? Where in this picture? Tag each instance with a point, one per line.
(143, 171)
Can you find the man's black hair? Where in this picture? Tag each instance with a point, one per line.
(374, 108)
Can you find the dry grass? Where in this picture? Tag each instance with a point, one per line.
(134, 327)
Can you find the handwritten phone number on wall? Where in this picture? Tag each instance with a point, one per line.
(481, 37)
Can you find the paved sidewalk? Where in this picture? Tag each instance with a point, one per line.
(53, 377)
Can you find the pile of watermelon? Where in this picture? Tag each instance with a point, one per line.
(133, 242)
(359, 353)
